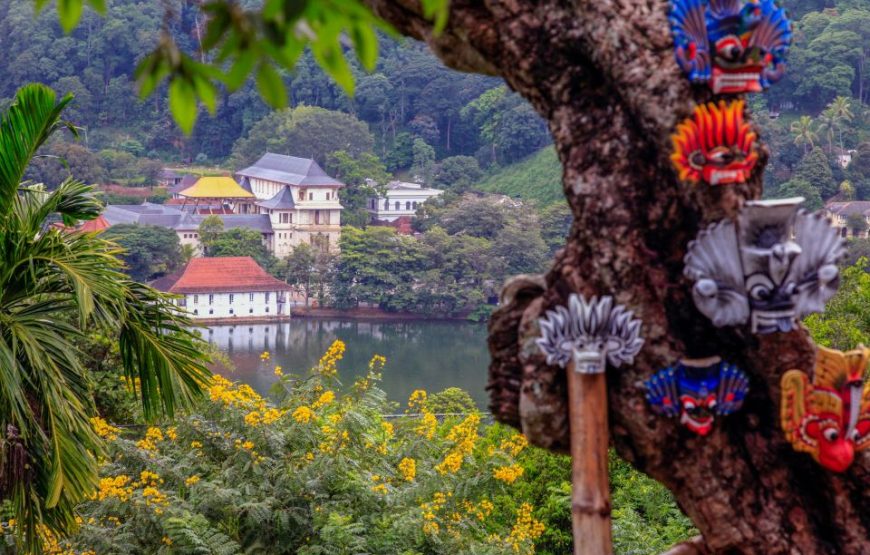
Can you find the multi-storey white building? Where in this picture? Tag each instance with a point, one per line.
(231, 288)
(400, 199)
(300, 199)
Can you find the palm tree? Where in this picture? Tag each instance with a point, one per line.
(841, 108)
(53, 286)
(802, 130)
(828, 125)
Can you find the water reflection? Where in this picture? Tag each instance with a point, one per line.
(427, 355)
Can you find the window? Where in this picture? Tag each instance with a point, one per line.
(387, 204)
(310, 196)
(232, 297)
(267, 309)
(211, 299)
(267, 297)
(408, 205)
(397, 205)
(195, 311)
(327, 196)
(301, 194)
(211, 311)
(285, 218)
(250, 311)
(291, 218)
(415, 205)
(231, 311)
(251, 297)
(196, 299)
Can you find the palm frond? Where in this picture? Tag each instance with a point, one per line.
(33, 117)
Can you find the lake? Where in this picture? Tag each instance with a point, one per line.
(431, 355)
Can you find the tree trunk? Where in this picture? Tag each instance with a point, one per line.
(603, 75)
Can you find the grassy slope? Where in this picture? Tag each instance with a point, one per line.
(538, 177)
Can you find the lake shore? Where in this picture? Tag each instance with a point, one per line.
(367, 313)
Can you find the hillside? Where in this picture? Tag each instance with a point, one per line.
(538, 177)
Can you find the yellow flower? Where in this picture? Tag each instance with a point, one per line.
(376, 364)
(427, 425)
(195, 445)
(265, 355)
(451, 463)
(148, 477)
(430, 527)
(278, 371)
(104, 429)
(388, 428)
(408, 469)
(379, 488)
(327, 363)
(166, 540)
(514, 445)
(508, 474)
(309, 456)
(526, 529)
(417, 399)
(303, 414)
(172, 433)
(326, 398)
(191, 480)
(114, 487)
(154, 434)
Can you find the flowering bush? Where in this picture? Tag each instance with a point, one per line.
(323, 471)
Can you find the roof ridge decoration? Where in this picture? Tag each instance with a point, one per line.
(772, 266)
(591, 333)
(734, 46)
(829, 417)
(715, 145)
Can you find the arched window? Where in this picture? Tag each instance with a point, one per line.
(408, 205)
(387, 204)
(415, 205)
(397, 205)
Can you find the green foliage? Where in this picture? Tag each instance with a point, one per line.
(322, 471)
(799, 187)
(149, 251)
(423, 160)
(305, 131)
(457, 173)
(815, 169)
(846, 320)
(362, 176)
(53, 287)
(238, 241)
(538, 178)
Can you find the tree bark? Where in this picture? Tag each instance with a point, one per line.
(602, 73)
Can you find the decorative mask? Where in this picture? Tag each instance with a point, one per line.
(736, 46)
(715, 145)
(829, 418)
(591, 333)
(698, 391)
(775, 265)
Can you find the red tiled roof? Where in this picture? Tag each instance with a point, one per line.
(97, 224)
(229, 274)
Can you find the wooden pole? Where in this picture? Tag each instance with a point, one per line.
(590, 494)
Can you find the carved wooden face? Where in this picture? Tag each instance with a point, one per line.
(715, 145)
(736, 46)
(697, 394)
(830, 417)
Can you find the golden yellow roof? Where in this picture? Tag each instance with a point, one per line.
(216, 187)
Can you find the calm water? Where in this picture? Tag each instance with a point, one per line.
(428, 355)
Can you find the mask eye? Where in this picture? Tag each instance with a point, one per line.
(689, 405)
(831, 434)
(729, 48)
(721, 155)
(759, 292)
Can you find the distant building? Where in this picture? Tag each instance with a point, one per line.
(300, 199)
(228, 288)
(185, 182)
(222, 190)
(844, 157)
(185, 220)
(844, 214)
(400, 199)
(168, 177)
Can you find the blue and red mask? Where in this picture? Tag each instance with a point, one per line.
(697, 394)
(736, 46)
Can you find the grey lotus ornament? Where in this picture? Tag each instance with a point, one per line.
(591, 334)
(771, 267)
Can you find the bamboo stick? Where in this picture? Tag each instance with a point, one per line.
(590, 493)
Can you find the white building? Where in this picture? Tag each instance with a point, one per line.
(845, 214)
(400, 199)
(228, 288)
(300, 199)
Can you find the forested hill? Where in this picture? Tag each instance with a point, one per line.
(413, 117)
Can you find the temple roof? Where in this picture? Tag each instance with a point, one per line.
(229, 274)
(215, 187)
(282, 201)
(289, 170)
